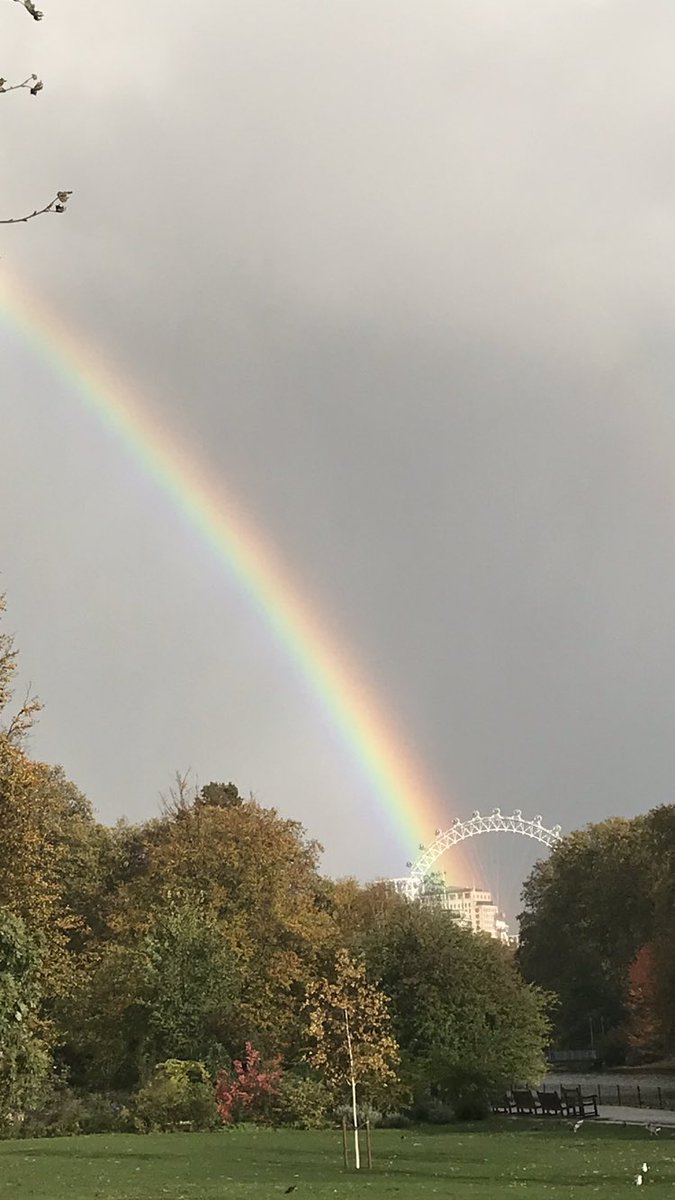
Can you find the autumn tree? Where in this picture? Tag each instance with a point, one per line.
(257, 874)
(50, 844)
(643, 1026)
(351, 1043)
(29, 884)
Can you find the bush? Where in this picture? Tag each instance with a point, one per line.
(179, 1095)
(364, 1112)
(468, 1091)
(58, 1115)
(250, 1090)
(396, 1120)
(302, 1103)
(105, 1113)
(472, 1108)
(433, 1111)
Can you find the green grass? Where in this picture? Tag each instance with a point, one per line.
(488, 1162)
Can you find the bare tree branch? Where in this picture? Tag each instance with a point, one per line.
(30, 8)
(24, 719)
(181, 796)
(57, 205)
(33, 84)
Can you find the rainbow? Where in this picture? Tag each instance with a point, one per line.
(394, 779)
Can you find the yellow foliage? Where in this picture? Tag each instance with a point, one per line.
(349, 1028)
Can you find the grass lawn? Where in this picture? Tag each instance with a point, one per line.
(486, 1162)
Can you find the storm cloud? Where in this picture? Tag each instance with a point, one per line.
(402, 275)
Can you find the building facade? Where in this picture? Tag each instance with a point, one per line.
(472, 908)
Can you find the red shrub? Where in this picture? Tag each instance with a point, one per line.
(249, 1092)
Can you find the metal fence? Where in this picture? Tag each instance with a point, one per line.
(631, 1095)
(572, 1056)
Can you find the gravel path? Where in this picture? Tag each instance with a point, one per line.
(617, 1113)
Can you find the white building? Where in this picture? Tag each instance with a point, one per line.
(473, 908)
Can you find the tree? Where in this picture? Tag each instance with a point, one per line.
(459, 1004)
(588, 909)
(34, 86)
(256, 873)
(349, 1029)
(191, 984)
(184, 796)
(220, 795)
(24, 1050)
(603, 894)
(13, 727)
(51, 848)
(28, 865)
(154, 994)
(643, 1027)
(659, 834)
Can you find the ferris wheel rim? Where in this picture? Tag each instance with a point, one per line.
(474, 826)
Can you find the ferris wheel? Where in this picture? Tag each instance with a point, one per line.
(476, 825)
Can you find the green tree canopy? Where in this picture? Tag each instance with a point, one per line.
(165, 991)
(24, 1045)
(604, 894)
(458, 1000)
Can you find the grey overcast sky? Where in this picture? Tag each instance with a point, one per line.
(402, 274)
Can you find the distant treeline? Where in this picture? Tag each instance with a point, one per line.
(208, 929)
(207, 940)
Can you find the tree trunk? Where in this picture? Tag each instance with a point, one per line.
(357, 1154)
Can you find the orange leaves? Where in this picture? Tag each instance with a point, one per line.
(643, 1025)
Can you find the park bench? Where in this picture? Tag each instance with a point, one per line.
(503, 1103)
(579, 1105)
(552, 1103)
(525, 1102)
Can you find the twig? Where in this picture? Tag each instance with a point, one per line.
(57, 205)
(30, 8)
(22, 720)
(33, 84)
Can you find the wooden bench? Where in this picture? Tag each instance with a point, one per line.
(525, 1102)
(579, 1105)
(553, 1104)
(570, 1102)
